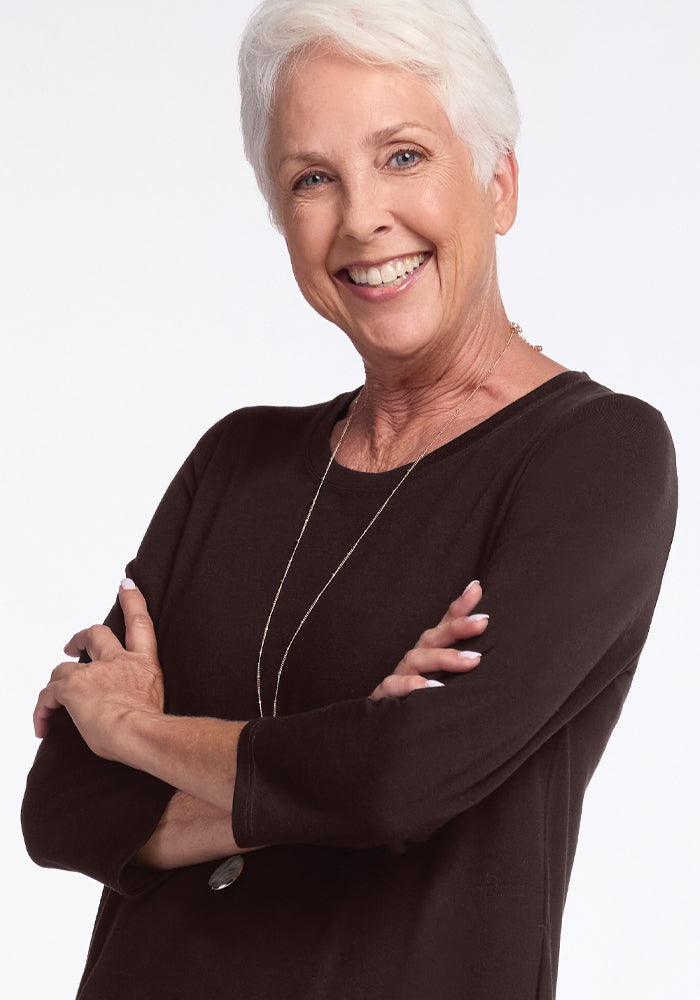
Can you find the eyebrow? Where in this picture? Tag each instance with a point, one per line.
(375, 139)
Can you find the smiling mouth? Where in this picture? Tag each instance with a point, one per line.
(394, 272)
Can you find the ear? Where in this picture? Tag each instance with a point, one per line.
(504, 191)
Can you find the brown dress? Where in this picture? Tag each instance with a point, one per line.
(420, 847)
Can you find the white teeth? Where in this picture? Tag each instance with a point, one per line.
(392, 273)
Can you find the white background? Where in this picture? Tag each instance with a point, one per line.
(144, 295)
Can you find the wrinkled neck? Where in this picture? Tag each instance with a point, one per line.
(396, 418)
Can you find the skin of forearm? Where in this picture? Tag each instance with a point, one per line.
(191, 831)
(195, 755)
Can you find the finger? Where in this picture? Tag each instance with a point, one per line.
(140, 635)
(64, 670)
(98, 641)
(466, 602)
(48, 702)
(447, 633)
(433, 661)
(46, 705)
(460, 611)
(398, 687)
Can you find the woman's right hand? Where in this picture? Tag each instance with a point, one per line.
(434, 652)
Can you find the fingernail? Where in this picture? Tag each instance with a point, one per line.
(469, 585)
(467, 654)
(477, 618)
(434, 684)
(127, 584)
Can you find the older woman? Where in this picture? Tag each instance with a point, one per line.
(410, 812)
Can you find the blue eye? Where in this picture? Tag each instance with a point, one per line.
(312, 180)
(406, 157)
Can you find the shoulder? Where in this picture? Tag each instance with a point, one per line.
(254, 433)
(588, 416)
(603, 451)
(598, 402)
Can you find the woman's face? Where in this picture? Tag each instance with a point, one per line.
(389, 235)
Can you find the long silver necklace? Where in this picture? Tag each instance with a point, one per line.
(230, 870)
(514, 329)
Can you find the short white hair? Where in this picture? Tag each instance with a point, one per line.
(441, 41)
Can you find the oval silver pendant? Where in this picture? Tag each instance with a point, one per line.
(226, 873)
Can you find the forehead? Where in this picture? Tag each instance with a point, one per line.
(328, 98)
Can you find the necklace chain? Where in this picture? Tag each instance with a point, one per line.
(514, 329)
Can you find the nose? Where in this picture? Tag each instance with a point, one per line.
(364, 214)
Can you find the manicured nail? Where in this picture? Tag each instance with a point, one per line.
(467, 654)
(477, 618)
(469, 585)
(434, 684)
(127, 584)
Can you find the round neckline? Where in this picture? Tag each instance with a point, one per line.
(340, 476)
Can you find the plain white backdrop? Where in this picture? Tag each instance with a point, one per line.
(144, 294)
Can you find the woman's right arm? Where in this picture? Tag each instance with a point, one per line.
(189, 832)
(81, 813)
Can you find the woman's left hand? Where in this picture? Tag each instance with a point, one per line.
(434, 652)
(119, 680)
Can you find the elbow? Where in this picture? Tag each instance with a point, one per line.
(404, 804)
(49, 818)
(35, 826)
(50, 813)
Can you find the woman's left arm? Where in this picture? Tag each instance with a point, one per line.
(572, 572)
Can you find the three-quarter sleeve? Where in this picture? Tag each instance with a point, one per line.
(83, 813)
(571, 573)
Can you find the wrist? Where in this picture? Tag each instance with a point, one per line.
(138, 739)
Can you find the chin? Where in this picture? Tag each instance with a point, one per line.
(395, 345)
(400, 337)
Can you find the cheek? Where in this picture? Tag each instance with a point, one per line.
(311, 275)
(306, 274)
(307, 243)
(469, 240)
(464, 268)
(302, 255)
